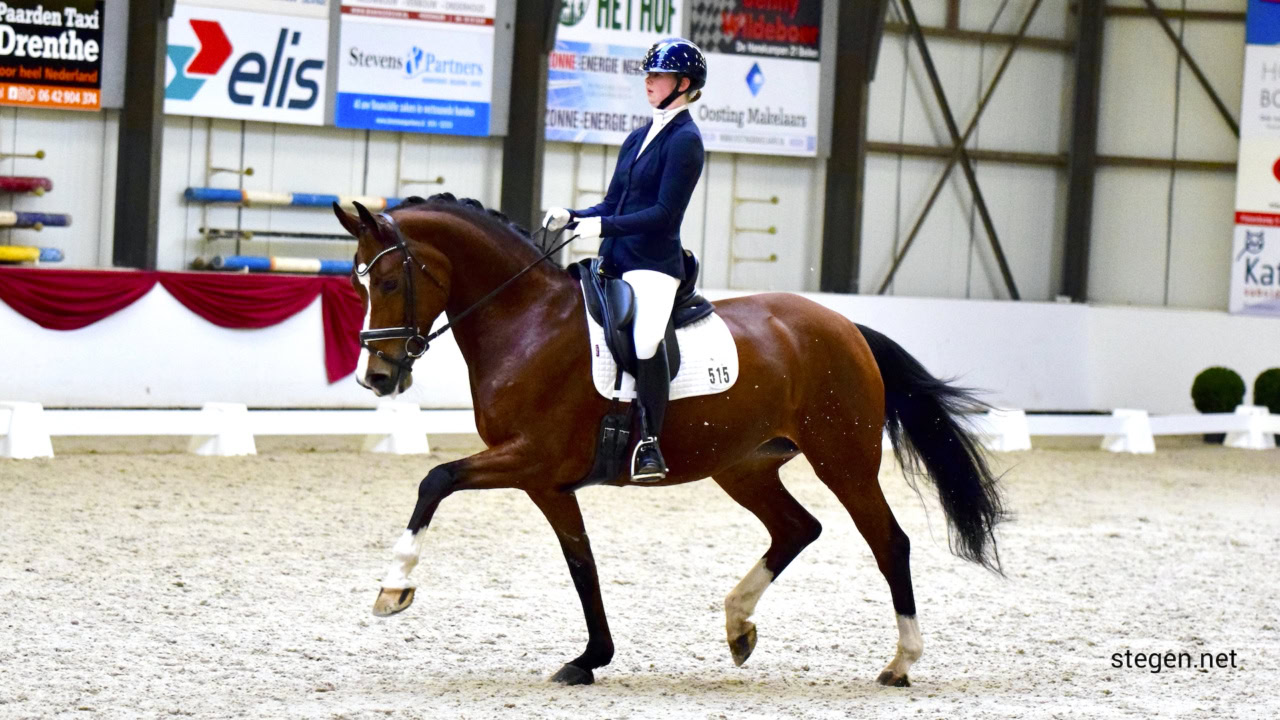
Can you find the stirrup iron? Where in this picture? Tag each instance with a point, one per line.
(653, 474)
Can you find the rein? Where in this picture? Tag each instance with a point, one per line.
(415, 343)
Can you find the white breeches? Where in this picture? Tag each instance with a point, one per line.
(655, 294)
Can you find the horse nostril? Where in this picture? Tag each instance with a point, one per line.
(379, 381)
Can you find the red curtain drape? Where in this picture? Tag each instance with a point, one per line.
(343, 320)
(249, 301)
(72, 299)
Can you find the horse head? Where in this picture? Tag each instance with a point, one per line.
(404, 285)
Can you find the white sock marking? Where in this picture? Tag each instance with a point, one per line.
(740, 603)
(406, 551)
(910, 646)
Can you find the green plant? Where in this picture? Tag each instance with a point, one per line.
(1217, 390)
(1266, 390)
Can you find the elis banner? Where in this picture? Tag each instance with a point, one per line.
(246, 65)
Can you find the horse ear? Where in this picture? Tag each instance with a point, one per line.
(349, 222)
(366, 218)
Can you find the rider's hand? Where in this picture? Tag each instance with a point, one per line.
(589, 229)
(556, 219)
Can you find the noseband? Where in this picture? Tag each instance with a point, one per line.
(415, 343)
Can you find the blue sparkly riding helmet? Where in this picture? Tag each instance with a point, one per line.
(679, 56)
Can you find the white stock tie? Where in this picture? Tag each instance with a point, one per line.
(661, 118)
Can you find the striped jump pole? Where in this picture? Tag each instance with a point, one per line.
(33, 220)
(23, 253)
(18, 184)
(252, 263)
(263, 198)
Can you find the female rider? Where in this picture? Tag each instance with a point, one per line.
(639, 224)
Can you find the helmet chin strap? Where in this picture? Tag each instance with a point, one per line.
(675, 93)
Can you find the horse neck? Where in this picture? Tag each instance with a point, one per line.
(512, 321)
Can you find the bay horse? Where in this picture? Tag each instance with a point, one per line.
(810, 381)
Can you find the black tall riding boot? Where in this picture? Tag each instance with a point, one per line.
(653, 386)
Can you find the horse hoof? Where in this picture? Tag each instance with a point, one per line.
(392, 600)
(573, 675)
(888, 678)
(743, 645)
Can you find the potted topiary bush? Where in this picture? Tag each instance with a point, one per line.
(1217, 390)
(1266, 392)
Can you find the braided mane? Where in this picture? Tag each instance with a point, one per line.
(449, 199)
(473, 209)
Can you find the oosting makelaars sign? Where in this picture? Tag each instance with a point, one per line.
(763, 67)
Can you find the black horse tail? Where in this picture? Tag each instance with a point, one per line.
(924, 417)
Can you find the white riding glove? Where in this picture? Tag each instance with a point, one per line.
(589, 229)
(556, 219)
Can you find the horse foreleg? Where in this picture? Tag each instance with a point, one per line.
(498, 467)
(397, 589)
(561, 510)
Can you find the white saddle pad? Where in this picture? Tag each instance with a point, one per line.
(708, 361)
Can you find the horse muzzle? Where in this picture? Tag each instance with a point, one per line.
(387, 384)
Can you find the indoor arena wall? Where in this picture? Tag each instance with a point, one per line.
(1160, 236)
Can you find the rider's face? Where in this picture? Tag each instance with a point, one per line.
(658, 85)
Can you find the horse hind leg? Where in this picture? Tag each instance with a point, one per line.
(755, 485)
(850, 470)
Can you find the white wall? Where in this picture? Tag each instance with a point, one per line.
(156, 353)
(1038, 356)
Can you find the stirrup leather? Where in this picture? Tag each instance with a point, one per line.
(651, 476)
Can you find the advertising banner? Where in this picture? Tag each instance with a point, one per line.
(1255, 265)
(51, 54)
(416, 65)
(246, 65)
(763, 65)
(595, 87)
(304, 8)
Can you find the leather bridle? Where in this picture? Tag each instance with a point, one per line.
(415, 343)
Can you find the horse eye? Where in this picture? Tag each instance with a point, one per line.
(389, 285)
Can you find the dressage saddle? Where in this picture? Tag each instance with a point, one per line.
(612, 303)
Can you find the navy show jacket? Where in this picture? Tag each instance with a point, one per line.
(641, 213)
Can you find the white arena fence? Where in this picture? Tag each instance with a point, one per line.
(402, 428)
(228, 428)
